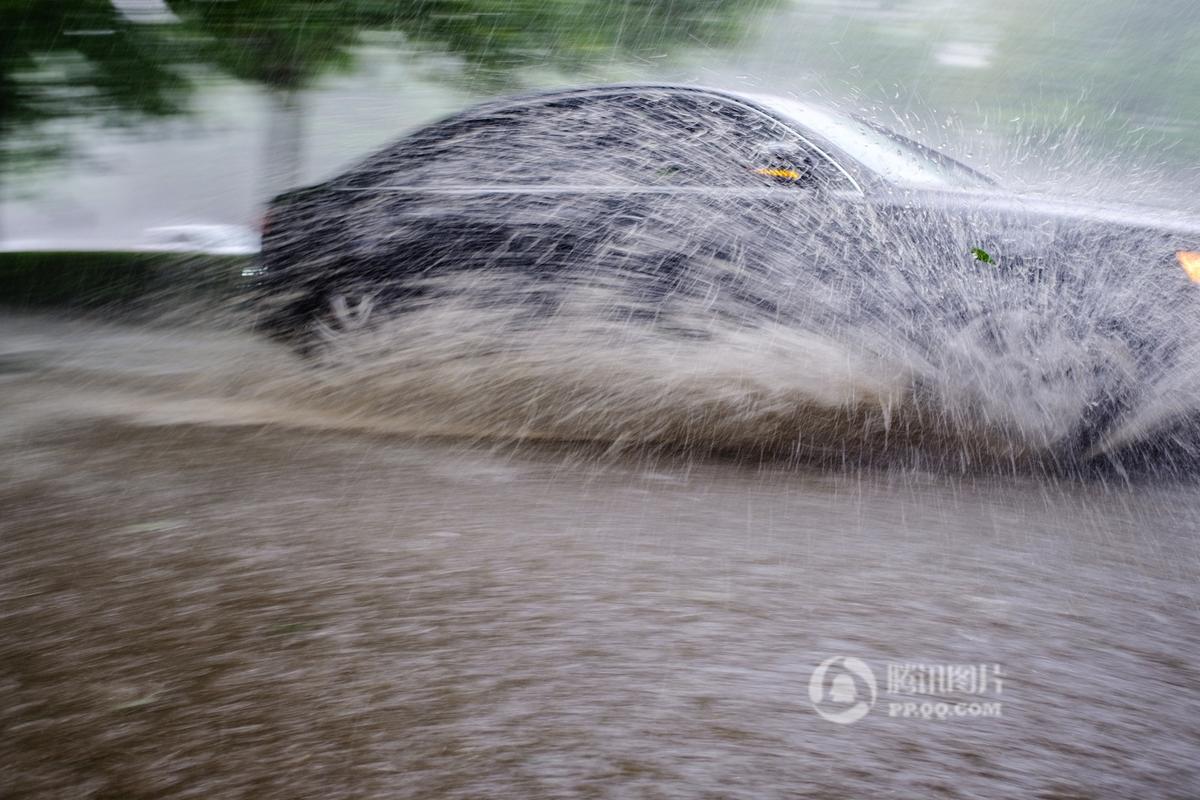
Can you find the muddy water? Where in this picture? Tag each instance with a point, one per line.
(206, 592)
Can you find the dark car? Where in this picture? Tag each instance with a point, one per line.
(767, 207)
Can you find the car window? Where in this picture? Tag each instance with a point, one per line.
(698, 140)
(887, 154)
(615, 140)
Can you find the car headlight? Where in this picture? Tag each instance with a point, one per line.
(1190, 261)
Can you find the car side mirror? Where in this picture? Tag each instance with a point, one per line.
(785, 163)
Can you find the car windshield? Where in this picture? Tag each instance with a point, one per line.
(887, 154)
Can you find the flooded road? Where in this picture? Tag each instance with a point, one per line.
(207, 592)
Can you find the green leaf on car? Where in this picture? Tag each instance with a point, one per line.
(982, 255)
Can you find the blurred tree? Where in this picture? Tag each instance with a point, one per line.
(282, 46)
(71, 58)
(285, 45)
(495, 37)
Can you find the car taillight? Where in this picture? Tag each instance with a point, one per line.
(1190, 261)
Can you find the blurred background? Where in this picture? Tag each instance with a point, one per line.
(124, 119)
(227, 572)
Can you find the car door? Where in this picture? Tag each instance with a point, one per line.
(725, 205)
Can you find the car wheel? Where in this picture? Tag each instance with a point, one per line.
(1040, 381)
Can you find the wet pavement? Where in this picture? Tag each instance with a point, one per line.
(207, 593)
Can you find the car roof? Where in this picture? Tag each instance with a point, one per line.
(744, 98)
(864, 178)
(606, 88)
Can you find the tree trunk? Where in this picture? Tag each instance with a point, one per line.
(3, 182)
(285, 140)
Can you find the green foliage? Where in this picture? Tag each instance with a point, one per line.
(68, 58)
(281, 44)
(495, 37)
(286, 44)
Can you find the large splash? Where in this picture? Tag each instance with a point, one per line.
(1057, 376)
(679, 300)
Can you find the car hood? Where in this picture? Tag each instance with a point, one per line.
(1039, 207)
(1126, 215)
